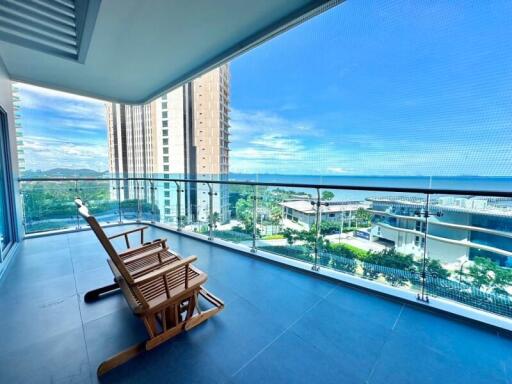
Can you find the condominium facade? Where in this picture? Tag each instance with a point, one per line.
(183, 134)
(460, 228)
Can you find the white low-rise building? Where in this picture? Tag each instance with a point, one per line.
(301, 214)
(459, 228)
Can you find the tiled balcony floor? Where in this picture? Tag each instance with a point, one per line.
(279, 326)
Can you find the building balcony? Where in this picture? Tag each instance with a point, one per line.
(413, 286)
(364, 248)
(280, 324)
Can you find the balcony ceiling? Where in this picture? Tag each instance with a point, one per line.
(139, 50)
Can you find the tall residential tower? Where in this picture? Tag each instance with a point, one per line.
(183, 134)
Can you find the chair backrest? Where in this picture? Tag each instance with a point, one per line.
(102, 237)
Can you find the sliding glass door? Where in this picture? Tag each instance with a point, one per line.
(6, 219)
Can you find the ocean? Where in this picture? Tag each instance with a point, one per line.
(475, 183)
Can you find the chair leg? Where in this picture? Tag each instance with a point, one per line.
(135, 350)
(205, 315)
(211, 298)
(155, 337)
(164, 336)
(95, 293)
(120, 358)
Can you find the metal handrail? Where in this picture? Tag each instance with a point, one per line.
(431, 191)
(423, 281)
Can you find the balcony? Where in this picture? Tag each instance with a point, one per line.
(422, 254)
(321, 283)
(340, 305)
(280, 325)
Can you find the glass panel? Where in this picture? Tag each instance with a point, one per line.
(148, 208)
(49, 205)
(195, 211)
(234, 222)
(101, 198)
(470, 237)
(373, 235)
(286, 222)
(166, 203)
(269, 218)
(5, 236)
(129, 200)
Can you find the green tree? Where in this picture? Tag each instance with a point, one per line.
(243, 209)
(327, 227)
(215, 219)
(363, 217)
(307, 238)
(276, 214)
(327, 195)
(392, 259)
(488, 276)
(290, 236)
(434, 268)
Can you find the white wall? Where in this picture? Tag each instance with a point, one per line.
(6, 104)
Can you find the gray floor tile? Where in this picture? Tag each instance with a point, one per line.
(29, 321)
(42, 290)
(404, 360)
(291, 359)
(111, 334)
(106, 305)
(58, 359)
(278, 326)
(363, 303)
(354, 342)
(93, 278)
(234, 336)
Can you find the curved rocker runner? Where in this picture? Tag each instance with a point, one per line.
(159, 286)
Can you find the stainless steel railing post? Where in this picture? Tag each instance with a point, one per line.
(178, 205)
(211, 222)
(254, 218)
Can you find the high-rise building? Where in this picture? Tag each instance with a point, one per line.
(183, 134)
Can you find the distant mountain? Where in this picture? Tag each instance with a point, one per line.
(65, 172)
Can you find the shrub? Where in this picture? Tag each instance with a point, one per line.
(348, 251)
(393, 263)
(277, 236)
(343, 264)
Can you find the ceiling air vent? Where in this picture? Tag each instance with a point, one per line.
(58, 27)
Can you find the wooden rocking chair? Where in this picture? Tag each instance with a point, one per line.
(160, 287)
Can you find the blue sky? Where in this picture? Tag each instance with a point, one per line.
(388, 88)
(62, 130)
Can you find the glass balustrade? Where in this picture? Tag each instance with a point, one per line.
(455, 247)
(101, 197)
(49, 205)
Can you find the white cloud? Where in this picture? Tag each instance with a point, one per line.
(62, 130)
(261, 123)
(52, 94)
(337, 170)
(47, 153)
(76, 109)
(269, 143)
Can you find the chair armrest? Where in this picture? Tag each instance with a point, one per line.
(156, 245)
(143, 255)
(126, 233)
(164, 270)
